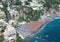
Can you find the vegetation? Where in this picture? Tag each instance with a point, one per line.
(5, 10)
(21, 19)
(48, 4)
(1, 39)
(34, 15)
(31, 15)
(18, 2)
(29, 0)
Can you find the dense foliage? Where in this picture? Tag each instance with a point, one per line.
(31, 14)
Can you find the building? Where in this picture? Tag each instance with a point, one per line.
(14, 14)
(1, 5)
(2, 14)
(9, 33)
(36, 6)
(23, 1)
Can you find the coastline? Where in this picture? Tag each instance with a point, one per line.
(35, 33)
(44, 34)
(57, 18)
(41, 29)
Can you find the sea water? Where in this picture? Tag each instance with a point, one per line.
(50, 33)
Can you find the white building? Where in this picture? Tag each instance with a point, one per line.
(2, 24)
(36, 6)
(23, 1)
(14, 14)
(2, 14)
(10, 33)
(1, 6)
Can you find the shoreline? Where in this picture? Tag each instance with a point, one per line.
(36, 32)
(40, 29)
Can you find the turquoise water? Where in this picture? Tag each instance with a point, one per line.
(50, 33)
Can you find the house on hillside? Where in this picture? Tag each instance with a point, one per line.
(14, 14)
(2, 14)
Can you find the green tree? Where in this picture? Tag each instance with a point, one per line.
(29, 0)
(50, 4)
(18, 2)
